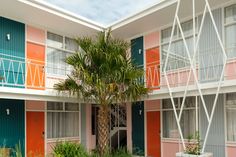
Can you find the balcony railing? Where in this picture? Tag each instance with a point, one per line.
(19, 72)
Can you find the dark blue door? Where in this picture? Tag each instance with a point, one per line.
(12, 124)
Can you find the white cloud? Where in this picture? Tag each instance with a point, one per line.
(103, 11)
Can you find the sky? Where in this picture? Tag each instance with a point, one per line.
(103, 11)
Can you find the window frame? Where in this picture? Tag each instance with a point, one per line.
(229, 107)
(178, 107)
(225, 25)
(63, 49)
(177, 38)
(64, 111)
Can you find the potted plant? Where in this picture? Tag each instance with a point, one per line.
(193, 148)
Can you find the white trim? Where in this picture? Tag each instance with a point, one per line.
(45, 128)
(161, 129)
(225, 122)
(145, 128)
(52, 140)
(25, 86)
(30, 110)
(80, 122)
(25, 129)
(35, 42)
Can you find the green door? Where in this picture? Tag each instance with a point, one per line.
(137, 51)
(12, 53)
(12, 123)
(138, 128)
(138, 107)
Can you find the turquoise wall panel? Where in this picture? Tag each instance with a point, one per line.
(138, 128)
(12, 50)
(12, 125)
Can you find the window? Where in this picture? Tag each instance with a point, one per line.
(58, 49)
(62, 120)
(231, 116)
(178, 57)
(54, 40)
(70, 44)
(230, 31)
(188, 119)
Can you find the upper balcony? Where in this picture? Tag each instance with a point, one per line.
(30, 79)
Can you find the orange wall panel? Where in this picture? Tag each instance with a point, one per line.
(36, 35)
(35, 66)
(153, 68)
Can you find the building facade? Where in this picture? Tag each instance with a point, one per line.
(187, 49)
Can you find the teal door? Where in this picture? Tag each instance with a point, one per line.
(137, 51)
(12, 53)
(138, 107)
(138, 128)
(12, 123)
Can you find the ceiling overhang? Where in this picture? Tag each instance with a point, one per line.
(48, 17)
(159, 16)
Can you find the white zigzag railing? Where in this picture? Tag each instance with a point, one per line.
(24, 73)
(207, 9)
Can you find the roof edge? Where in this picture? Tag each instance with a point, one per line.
(45, 6)
(139, 14)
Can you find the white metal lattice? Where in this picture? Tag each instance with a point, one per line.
(207, 9)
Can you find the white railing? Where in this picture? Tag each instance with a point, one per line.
(27, 73)
(35, 74)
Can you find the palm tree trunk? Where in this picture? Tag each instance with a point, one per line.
(103, 129)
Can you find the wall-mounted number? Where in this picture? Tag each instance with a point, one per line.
(139, 51)
(8, 111)
(8, 36)
(140, 112)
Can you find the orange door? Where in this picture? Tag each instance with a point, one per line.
(153, 134)
(35, 134)
(35, 66)
(153, 68)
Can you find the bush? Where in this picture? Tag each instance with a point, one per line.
(122, 152)
(68, 149)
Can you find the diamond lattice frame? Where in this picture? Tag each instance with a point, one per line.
(207, 9)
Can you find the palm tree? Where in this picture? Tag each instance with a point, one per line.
(103, 73)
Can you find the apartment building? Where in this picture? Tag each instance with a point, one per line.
(187, 49)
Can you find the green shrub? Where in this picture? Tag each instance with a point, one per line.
(122, 152)
(68, 149)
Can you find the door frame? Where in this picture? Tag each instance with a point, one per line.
(45, 126)
(145, 125)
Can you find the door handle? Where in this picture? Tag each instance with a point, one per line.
(43, 134)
